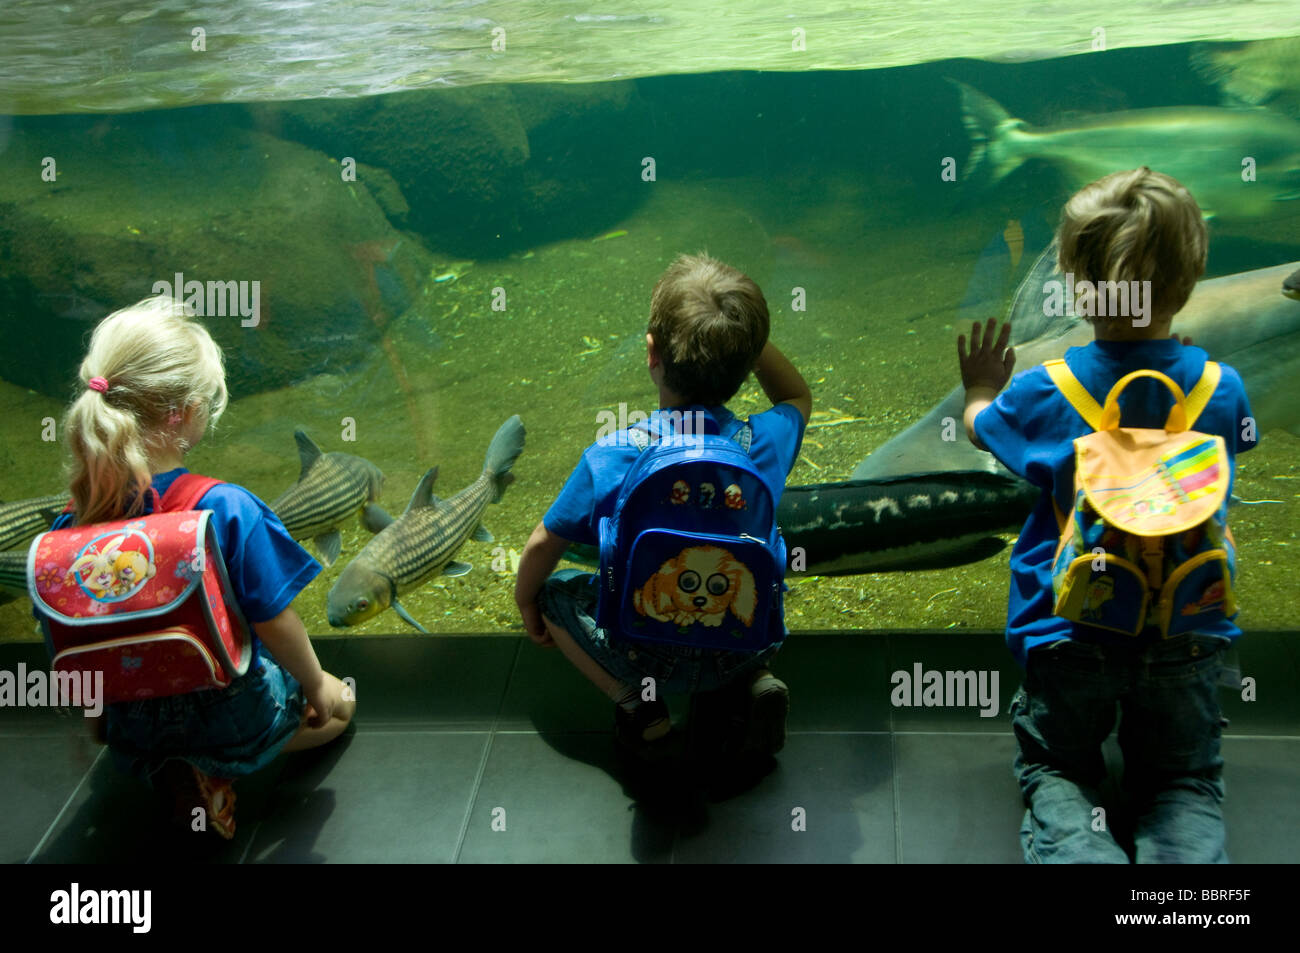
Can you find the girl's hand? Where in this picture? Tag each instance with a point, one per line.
(323, 700)
(989, 363)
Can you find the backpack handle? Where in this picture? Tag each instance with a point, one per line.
(1176, 422)
(641, 436)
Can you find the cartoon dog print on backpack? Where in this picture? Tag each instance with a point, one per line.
(699, 585)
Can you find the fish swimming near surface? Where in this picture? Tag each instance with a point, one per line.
(331, 488)
(1250, 321)
(22, 520)
(1200, 146)
(422, 541)
(1259, 73)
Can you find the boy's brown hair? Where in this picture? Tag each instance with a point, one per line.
(1136, 225)
(709, 323)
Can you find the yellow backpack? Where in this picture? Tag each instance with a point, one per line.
(1148, 540)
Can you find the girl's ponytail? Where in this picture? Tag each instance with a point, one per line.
(146, 365)
(110, 462)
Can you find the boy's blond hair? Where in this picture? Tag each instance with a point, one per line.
(710, 323)
(157, 362)
(1137, 225)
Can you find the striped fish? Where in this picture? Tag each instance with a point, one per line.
(331, 488)
(13, 576)
(422, 541)
(21, 521)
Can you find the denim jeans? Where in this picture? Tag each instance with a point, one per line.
(569, 599)
(228, 733)
(1169, 731)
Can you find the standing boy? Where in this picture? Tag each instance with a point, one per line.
(1135, 226)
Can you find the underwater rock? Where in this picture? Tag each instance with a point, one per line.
(489, 169)
(137, 200)
(386, 192)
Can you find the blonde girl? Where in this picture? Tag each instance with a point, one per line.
(152, 384)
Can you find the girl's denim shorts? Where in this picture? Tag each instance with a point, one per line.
(225, 733)
(569, 599)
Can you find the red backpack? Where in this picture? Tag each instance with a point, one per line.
(145, 601)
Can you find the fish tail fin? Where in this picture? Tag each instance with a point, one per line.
(988, 126)
(502, 453)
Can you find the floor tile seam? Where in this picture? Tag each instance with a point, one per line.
(389, 729)
(63, 810)
(395, 728)
(475, 787)
(483, 759)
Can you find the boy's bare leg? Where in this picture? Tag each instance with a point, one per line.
(309, 737)
(584, 663)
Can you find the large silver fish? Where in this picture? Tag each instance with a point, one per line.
(421, 542)
(896, 524)
(22, 520)
(1200, 146)
(331, 488)
(1250, 321)
(1261, 73)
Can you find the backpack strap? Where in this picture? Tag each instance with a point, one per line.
(185, 492)
(1195, 402)
(1074, 392)
(1200, 395)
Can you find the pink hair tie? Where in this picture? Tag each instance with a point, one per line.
(99, 384)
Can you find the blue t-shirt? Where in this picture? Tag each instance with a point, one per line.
(592, 489)
(1031, 427)
(267, 568)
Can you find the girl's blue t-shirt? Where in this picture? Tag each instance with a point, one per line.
(1031, 427)
(592, 489)
(267, 568)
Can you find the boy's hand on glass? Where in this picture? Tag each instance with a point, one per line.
(989, 363)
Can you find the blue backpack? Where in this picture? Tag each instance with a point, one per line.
(693, 555)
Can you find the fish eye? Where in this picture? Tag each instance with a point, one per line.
(717, 584)
(363, 605)
(689, 581)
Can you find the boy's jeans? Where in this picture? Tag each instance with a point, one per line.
(1169, 735)
(570, 599)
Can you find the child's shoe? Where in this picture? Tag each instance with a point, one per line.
(644, 725)
(769, 699)
(192, 788)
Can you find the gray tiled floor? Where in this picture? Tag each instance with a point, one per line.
(489, 750)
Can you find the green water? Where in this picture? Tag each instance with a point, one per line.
(827, 182)
(122, 55)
